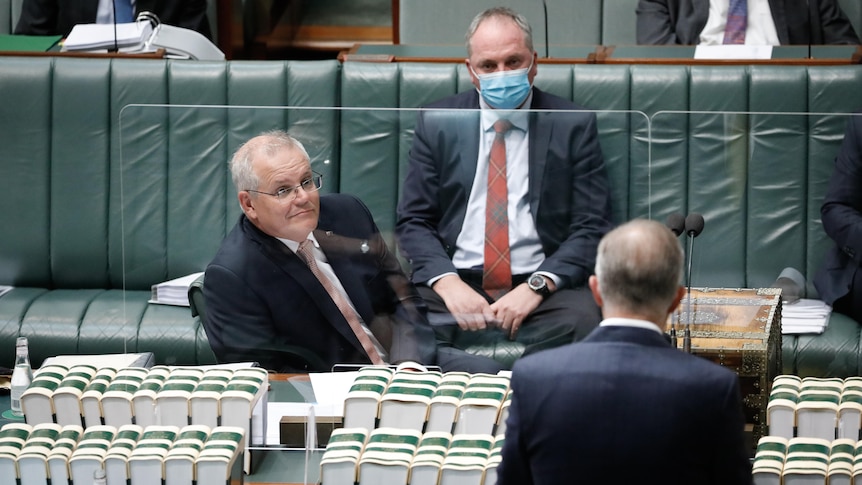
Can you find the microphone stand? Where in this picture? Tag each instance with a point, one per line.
(547, 47)
(686, 335)
(114, 13)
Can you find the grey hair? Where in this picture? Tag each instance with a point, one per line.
(267, 144)
(639, 267)
(504, 12)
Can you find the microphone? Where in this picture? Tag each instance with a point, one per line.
(676, 223)
(693, 227)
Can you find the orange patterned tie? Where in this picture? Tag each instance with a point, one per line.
(497, 272)
(305, 252)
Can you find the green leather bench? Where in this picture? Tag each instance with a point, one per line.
(113, 178)
(90, 222)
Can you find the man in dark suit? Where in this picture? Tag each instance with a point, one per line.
(57, 17)
(557, 204)
(623, 406)
(780, 22)
(839, 280)
(305, 281)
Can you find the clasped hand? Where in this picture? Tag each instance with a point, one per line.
(472, 311)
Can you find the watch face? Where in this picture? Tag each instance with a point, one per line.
(536, 282)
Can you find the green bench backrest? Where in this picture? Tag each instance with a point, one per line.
(63, 168)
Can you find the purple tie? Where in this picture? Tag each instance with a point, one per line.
(737, 21)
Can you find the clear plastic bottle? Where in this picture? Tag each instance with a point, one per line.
(99, 477)
(22, 375)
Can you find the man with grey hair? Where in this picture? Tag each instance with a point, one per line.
(305, 281)
(623, 406)
(505, 199)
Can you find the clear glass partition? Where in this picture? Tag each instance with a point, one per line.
(756, 178)
(177, 201)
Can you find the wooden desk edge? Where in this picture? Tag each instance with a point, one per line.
(159, 54)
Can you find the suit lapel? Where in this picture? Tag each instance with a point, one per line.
(295, 268)
(341, 252)
(779, 17)
(540, 133)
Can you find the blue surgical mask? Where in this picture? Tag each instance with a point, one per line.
(505, 89)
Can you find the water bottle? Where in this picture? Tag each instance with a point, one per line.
(21, 376)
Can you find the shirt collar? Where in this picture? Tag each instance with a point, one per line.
(630, 322)
(294, 246)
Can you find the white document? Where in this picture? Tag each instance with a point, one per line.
(102, 36)
(733, 52)
(173, 292)
(805, 316)
(100, 361)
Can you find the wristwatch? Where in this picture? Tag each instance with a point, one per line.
(537, 283)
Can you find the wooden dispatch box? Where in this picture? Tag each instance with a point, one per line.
(739, 329)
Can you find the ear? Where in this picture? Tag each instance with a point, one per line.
(246, 204)
(534, 69)
(680, 292)
(473, 78)
(594, 289)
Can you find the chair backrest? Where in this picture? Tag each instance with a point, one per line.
(6, 25)
(445, 22)
(619, 20)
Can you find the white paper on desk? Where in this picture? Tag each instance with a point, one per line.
(332, 387)
(733, 52)
(805, 316)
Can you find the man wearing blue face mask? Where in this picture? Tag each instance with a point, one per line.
(505, 200)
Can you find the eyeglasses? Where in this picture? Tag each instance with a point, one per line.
(311, 184)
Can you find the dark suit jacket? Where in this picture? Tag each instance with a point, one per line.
(57, 17)
(568, 186)
(681, 21)
(261, 297)
(622, 407)
(842, 219)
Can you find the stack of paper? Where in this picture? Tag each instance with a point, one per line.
(85, 37)
(174, 292)
(804, 316)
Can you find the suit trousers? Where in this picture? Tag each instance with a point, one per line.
(566, 316)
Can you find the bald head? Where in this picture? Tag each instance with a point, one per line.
(638, 270)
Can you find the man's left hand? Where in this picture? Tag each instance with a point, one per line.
(514, 307)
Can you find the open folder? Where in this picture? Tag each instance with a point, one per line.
(102, 36)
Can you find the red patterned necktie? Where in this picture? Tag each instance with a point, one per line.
(305, 252)
(497, 272)
(737, 21)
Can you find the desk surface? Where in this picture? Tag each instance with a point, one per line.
(623, 54)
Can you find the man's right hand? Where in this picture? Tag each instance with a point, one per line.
(470, 309)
